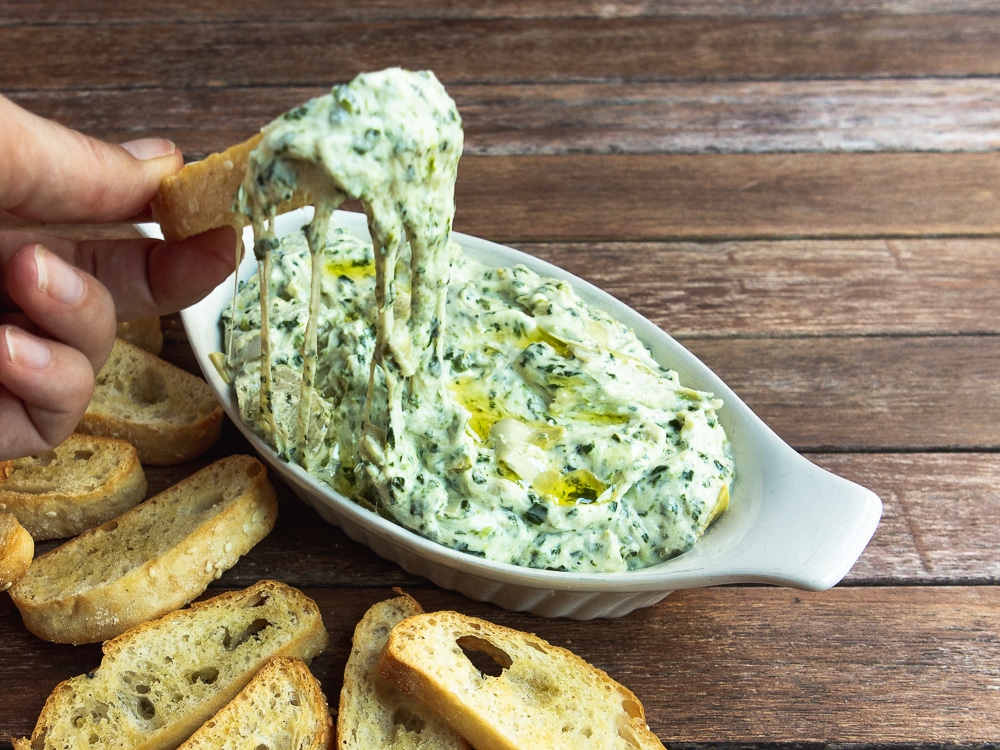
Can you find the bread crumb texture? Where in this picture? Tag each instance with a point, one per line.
(502, 688)
(160, 681)
(172, 546)
(81, 483)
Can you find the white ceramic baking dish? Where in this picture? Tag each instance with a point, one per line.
(789, 522)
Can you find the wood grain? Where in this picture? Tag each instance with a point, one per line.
(502, 50)
(602, 118)
(728, 666)
(710, 196)
(804, 193)
(37, 12)
(939, 519)
(771, 288)
(866, 393)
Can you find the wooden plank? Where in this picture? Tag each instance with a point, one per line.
(770, 288)
(728, 196)
(599, 118)
(500, 51)
(866, 393)
(940, 514)
(38, 12)
(731, 665)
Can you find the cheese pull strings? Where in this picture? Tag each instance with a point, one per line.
(391, 140)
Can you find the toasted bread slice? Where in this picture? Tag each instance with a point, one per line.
(168, 414)
(372, 713)
(146, 333)
(154, 558)
(17, 548)
(543, 695)
(83, 482)
(160, 681)
(282, 707)
(202, 195)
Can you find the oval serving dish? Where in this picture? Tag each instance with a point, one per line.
(789, 522)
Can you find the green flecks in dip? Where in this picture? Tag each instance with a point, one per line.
(488, 409)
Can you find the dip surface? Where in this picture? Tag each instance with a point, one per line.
(488, 409)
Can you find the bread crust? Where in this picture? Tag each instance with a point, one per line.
(83, 482)
(282, 706)
(17, 549)
(373, 714)
(202, 195)
(146, 333)
(545, 695)
(168, 414)
(160, 681)
(169, 548)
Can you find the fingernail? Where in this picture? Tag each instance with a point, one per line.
(26, 350)
(57, 278)
(149, 148)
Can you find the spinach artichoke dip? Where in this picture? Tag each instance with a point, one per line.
(488, 409)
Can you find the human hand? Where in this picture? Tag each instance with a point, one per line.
(60, 299)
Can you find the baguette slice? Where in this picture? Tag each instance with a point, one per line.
(202, 195)
(154, 558)
(17, 548)
(85, 481)
(160, 681)
(373, 714)
(146, 333)
(168, 414)
(545, 696)
(281, 708)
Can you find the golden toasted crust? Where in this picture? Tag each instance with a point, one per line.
(84, 481)
(373, 714)
(201, 196)
(168, 414)
(160, 681)
(169, 548)
(146, 333)
(17, 548)
(5, 468)
(282, 706)
(540, 696)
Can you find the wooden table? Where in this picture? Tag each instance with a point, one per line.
(806, 194)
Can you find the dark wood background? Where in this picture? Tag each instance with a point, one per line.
(806, 194)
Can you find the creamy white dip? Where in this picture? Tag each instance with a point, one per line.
(488, 409)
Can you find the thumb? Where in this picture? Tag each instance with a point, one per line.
(50, 173)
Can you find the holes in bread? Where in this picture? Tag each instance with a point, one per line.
(405, 718)
(145, 709)
(490, 660)
(83, 454)
(206, 675)
(148, 387)
(232, 642)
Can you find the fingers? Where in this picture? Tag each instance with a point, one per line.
(45, 388)
(50, 349)
(145, 277)
(53, 174)
(150, 277)
(64, 304)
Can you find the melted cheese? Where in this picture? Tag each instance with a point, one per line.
(488, 409)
